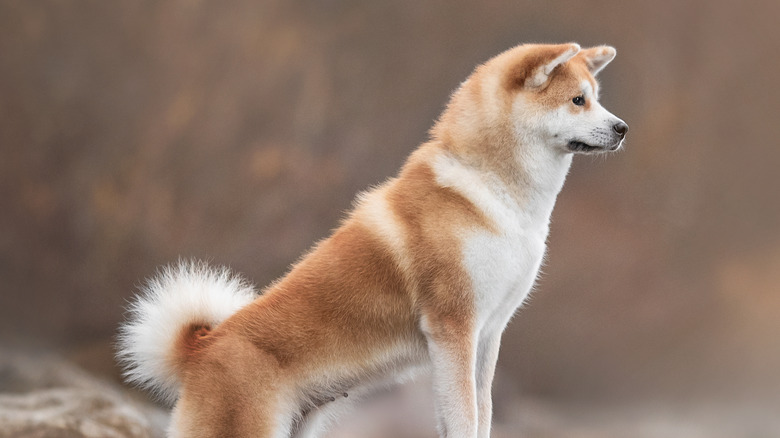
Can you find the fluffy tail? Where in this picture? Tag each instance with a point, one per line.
(179, 302)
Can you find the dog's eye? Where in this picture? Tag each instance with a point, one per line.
(579, 100)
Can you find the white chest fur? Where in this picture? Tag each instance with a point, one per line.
(503, 265)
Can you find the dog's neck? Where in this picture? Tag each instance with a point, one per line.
(527, 177)
(543, 171)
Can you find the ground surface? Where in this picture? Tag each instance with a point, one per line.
(45, 396)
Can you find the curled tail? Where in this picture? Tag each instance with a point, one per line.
(165, 319)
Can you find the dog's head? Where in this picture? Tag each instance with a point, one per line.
(541, 95)
(555, 97)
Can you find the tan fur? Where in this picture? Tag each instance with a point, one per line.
(365, 301)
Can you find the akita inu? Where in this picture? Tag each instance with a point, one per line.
(424, 273)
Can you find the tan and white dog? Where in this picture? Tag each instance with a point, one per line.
(424, 274)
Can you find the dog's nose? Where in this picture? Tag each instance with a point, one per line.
(620, 128)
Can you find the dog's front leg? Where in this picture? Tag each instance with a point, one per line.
(452, 349)
(487, 356)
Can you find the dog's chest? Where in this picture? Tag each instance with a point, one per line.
(503, 268)
(503, 262)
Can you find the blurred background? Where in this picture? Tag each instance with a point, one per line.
(135, 133)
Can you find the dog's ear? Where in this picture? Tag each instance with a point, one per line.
(597, 58)
(534, 68)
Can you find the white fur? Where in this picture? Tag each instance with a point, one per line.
(180, 295)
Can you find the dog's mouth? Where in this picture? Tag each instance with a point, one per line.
(582, 147)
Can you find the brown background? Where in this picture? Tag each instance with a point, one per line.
(133, 133)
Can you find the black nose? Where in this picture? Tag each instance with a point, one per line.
(621, 128)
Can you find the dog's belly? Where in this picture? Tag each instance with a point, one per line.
(385, 368)
(503, 268)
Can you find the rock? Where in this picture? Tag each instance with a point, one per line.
(44, 396)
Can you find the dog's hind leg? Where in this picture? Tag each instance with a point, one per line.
(233, 389)
(204, 420)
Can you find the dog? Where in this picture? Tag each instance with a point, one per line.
(423, 275)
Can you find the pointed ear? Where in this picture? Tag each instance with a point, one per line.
(598, 57)
(534, 68)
